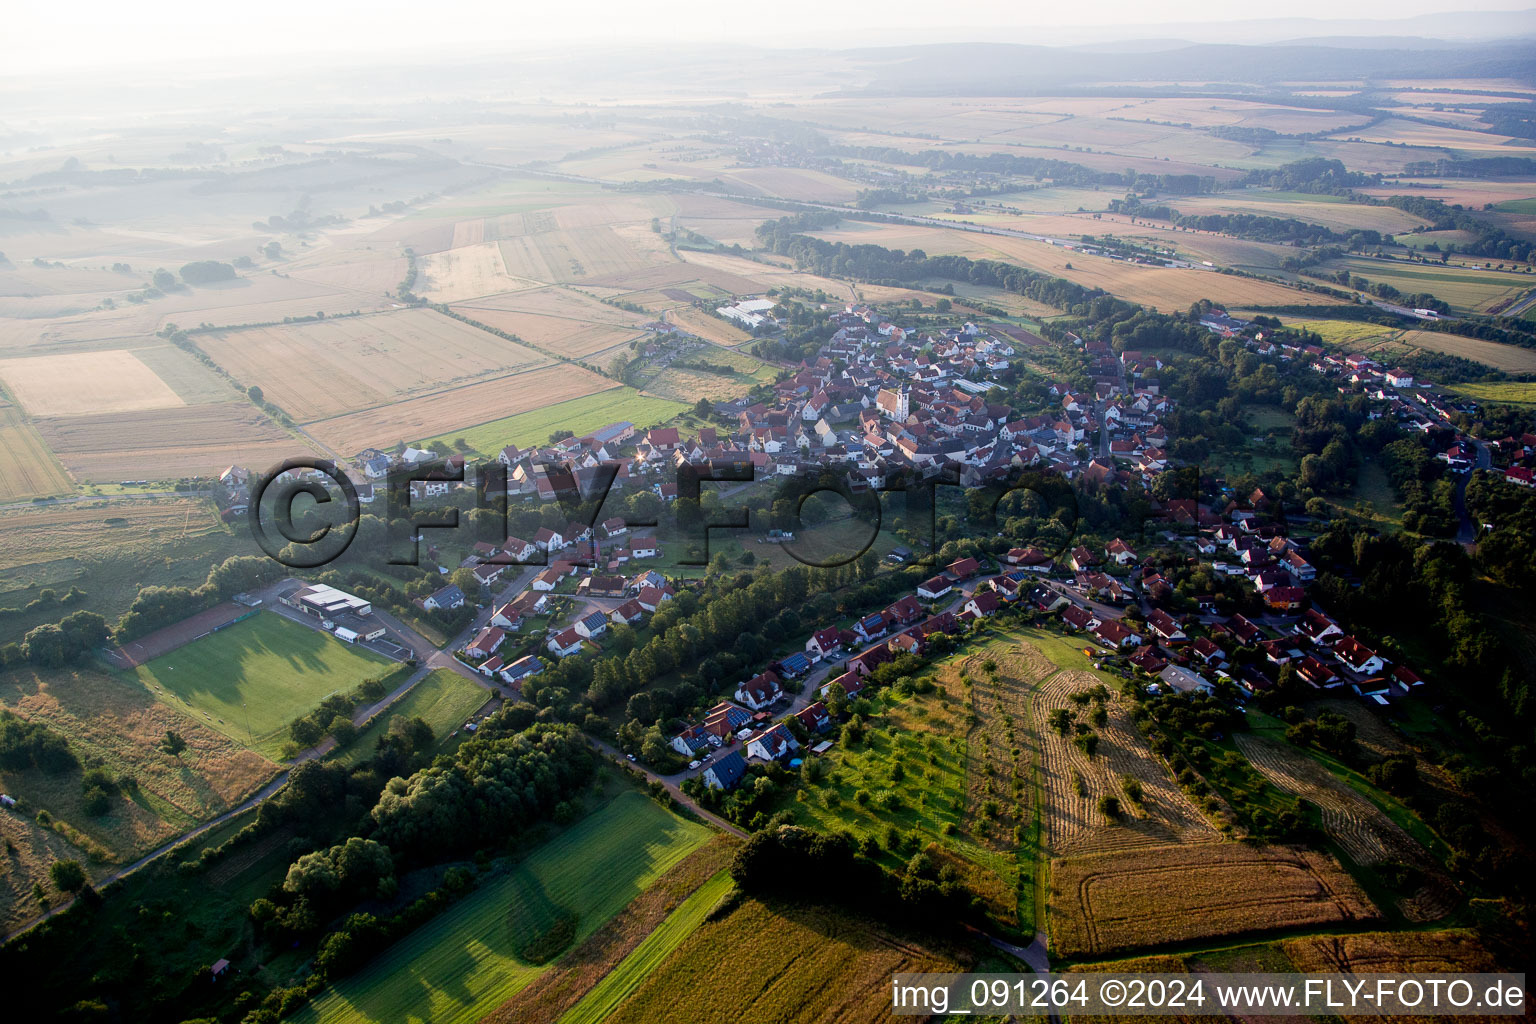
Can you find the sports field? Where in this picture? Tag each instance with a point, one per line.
(578, 415)
(276, 669)
(463, 963)
(444, 699)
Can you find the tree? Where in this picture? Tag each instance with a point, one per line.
(173, 743)
(702, 409)
(68, 876)
(654, 748)
(46, 645)
(255, 394)
(164, 280)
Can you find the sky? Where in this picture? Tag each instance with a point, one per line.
(42, 36)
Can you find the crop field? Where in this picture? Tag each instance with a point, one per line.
(444, 700)
(1388, 343)
(1365, 834)
(1074, 783)
(27, 468)
(111, 722)
(577, 244)
(1467, 290)
(578, 415)
(463, 963)
(622, 981)
(569, 336)
(710, 328)
(88, 382)
(167, 444)
(1338, 216)
(249, 680)
(1165, 288)
(1131, 899)
(317, 370)
(796, 183)
(449, 413)
(585, 966)
(824, 965)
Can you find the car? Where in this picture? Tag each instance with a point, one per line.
(694, 764)
(630, 757)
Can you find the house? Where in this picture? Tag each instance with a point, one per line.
(565, 643)
(1185, 681)
(866, 662)
(447, 598)
(815, 718)
(1031, 559)
(629, 613)
(963, 569)
(1317, 627)
(1285, 599)
(1208, 651)
(691, 740)
(871, 626)
(651, 598)
(1317, 672)
(592, 624)
(726, 771)
(487, 574)
(1164, 626)
(615, 526)
(906, 611)
(522, 668)
(795, 666)
(548, 540)
(519, 550)
(1116, 634)
(824, 643)
(1149, 660)
(760, 691)
(773, 744)
(1244, 630)
(485, 642)
(983, 603)
(725, 719)
(1359, 658)
(547, 580)
(935, 588)
(643, 547)
(1120, 552)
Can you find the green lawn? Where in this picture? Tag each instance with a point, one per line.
(621, 982)
(444, 699)
(277, 669)
(462, 964)
(577, 415)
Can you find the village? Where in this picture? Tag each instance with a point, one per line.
(881, 402)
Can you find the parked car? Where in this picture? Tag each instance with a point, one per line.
(694, 764)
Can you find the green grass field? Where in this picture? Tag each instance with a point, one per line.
(444, 699)
(577, 415)
(1517, 206)
(1467, 290)
(462, 964)
(1506, 393)
(621, 982)
(278, 669)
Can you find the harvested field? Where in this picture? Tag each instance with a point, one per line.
(110, 721)
(821, 965)
(1132, 899)
(1365, 834)
(467, 271)
(708, 327)
(44, 533)
(96, 382)
(578, 243)
(669, 275)
(1390, 953)
(451, 412)
(570, 337)
(314, 371)
(575, 974)
(164, 641)
(1074, 782)
(168, 444)
(27, 468)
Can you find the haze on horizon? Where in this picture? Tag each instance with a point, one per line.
(95, 34)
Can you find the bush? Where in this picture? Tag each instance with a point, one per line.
(1109, 806)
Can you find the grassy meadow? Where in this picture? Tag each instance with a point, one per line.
(464, 963)
(249, 680)
(444, 699)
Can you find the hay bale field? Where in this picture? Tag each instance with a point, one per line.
(1074, 783)
(88, 382)
(317, 370)
(167, 444)
(1131, 899)
(249, 680)
(464, 962)
(1365, 834)
(451, 412)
